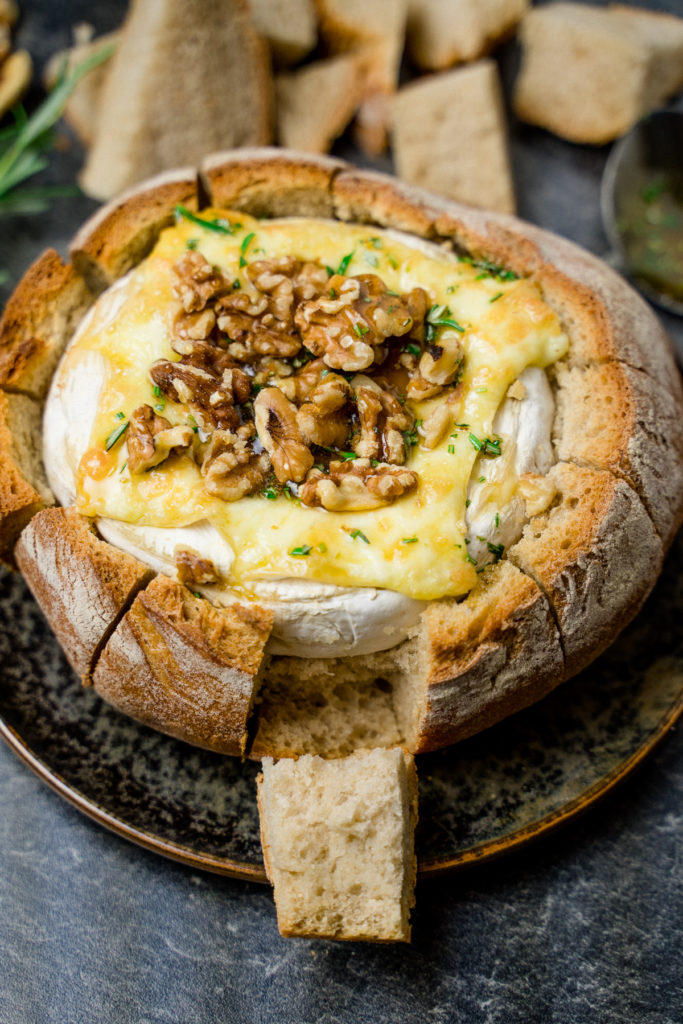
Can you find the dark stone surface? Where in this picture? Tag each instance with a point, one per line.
(584, 926)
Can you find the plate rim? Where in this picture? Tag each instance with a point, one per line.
(479, 853)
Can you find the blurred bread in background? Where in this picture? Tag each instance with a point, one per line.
(191, 77)
(187, 77)
(81, 111)
(588, 74)
(449, 135)
(16, 67)
(446, 32)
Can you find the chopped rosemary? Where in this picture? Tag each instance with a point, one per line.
(360, 329)
(236, 284)
(222, 227)
(156, 391)
(409, 540)
(193, 423)
(322, 548)
(487, 445)
(115, 436)
(360, 535)
(123, 466)
(344, 265)
(120, 415)
(494, 298)
(468, 558)
(451, 449)
(490, 269)
(302, 551)
(371, 259)
(495, 549)
(481, 480)
(392, 261)
(414, 350)
(270, 493)
(330, 270)
(192, 243)
(246, 242)
(496, 520)
(440, 316)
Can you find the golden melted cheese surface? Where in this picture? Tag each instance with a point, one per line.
(416, 545)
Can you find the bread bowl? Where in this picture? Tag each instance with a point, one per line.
(559, 595)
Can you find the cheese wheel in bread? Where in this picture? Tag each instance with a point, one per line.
(432, 454)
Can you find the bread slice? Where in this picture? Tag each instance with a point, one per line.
(82, 584)
(121, 233)
(82, 108)
(15, 77)
(449, 135)
(24, 491)
(38, 321)
(315, 104)
(288, 26)
(446, 32)
(376, 33)
(181, 666)
(589, 74)
(338, 844)
(186, 78)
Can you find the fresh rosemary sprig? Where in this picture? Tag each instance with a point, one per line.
(24, 145)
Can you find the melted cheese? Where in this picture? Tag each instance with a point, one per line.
(508, 328)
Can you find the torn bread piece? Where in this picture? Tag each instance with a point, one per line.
(82, 108)
(316, 103)
(588, 74)
(338, 844)
(82, 584)
(449, 135)
(204, 83)
(39, 318)
(376, 34)
(24, 491)
(446, 32)
(185, 668)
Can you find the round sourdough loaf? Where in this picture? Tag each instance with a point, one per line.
(580, 571)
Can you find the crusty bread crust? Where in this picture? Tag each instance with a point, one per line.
(181, 666)
(561, 594)
(271, 182)
(486, 657)
(125, 230)
(39, 318)
(82, 584)
(23, 488)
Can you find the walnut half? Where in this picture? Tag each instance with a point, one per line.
(151, 439)
(356, 486)
(278, 431)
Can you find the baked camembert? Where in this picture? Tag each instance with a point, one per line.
(335, 420)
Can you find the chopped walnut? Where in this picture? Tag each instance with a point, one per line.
(298, 387)
(279, 433)
(207, 380)
(347, 326)
(151, 439)
(435, 425)
(322, 419)
(194, 571)
(198, 282)
(254, 329)
(382, 422)
(517, 390)
(441, 362)
(356, 486)
(230, 467)
(191, 327)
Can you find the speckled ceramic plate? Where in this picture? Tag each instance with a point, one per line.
(484, 797)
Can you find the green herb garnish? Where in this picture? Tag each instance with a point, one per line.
(344, 265)
(246, 242)
(302, 551)
(115, 435)
(414, 350)
(409, 540)
(270, 493)
(360, 329)
(221, 227)
(451, 449)
(486, 445)
(440, 316)
(360, 535)
(24, 145)
(494, 298)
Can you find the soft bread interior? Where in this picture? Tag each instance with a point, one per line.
(338, 844)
